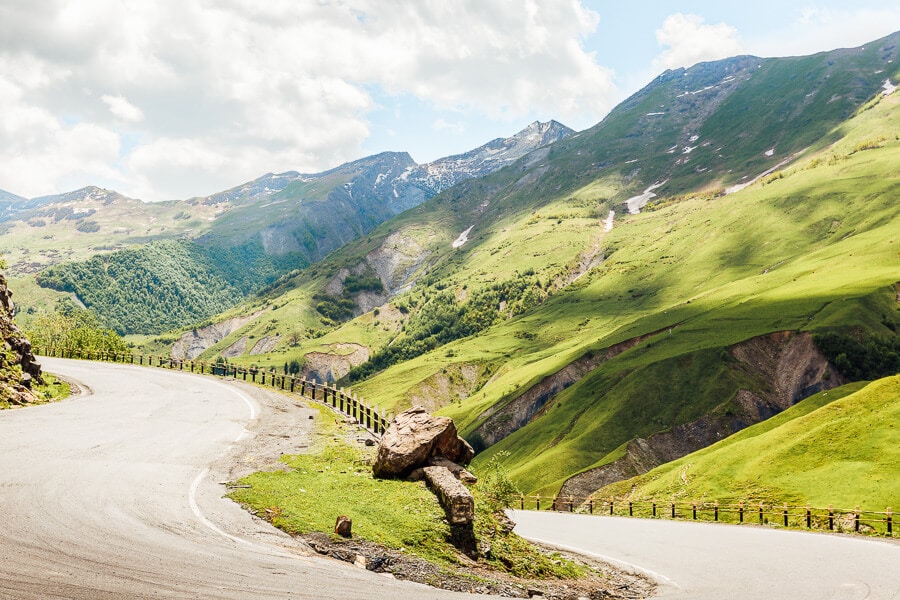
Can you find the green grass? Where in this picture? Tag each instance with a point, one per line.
(397, 514)
(840, 448)
(813, 248)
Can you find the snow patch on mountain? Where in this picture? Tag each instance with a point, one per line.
(462, 239)
(636, 203)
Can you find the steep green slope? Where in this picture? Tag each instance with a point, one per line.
(838, 447)
(810, 251)
(607, 329)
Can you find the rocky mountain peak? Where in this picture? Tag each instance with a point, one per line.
(443, 173)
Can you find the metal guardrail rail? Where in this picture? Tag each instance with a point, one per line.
(339, 399)
(844, 520)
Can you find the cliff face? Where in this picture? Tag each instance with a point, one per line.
(18, 367)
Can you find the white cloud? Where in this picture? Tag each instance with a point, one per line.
(815, 29)
(688, 40)
(212, 94)
(122, 108)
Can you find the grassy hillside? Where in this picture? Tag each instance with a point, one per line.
(812, 250)
(839, 447)
(810, 247)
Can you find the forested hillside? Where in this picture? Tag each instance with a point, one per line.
(167, 284)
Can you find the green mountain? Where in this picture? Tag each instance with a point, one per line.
(632, 292)
(831, 448)
(230, 244)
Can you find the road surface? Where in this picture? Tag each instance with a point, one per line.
(708, 561)
(111, 495)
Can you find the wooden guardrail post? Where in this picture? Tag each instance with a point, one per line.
(889, 523)
(760, 513)
(784, 512)
(830, 518)
(694, 510)
(630, 509)
(673, 510)
(716, 512)
(856, 520)
(591, 504)
(808, 517)
(741, 511)
(654, 510)
(611, 506)
(571, 503)
(538, 502)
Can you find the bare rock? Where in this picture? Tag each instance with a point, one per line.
(454, 496)
(458, 471)
(413, 439)
(343, 526)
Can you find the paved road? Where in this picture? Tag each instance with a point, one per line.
(707, 561)
(109, 495)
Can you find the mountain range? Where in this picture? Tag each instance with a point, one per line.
(708, 255)
(269, 226)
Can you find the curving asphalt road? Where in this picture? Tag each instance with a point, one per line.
(115, 494)
(707, 561)
(109, 495)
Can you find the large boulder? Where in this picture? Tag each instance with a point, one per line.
(413, 439)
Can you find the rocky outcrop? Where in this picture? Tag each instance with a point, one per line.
(328, 367)
(193, 343)
(265, 344)
(504, 420)
(399, 258)
(788, 360)
(413, 439)
(451, 383)
(18, 366)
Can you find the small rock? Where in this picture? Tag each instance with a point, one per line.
(360, 561)
(343, 526)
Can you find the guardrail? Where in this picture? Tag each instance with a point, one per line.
(843, 520)
(339, 399)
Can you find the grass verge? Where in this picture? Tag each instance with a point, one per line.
(400, 515)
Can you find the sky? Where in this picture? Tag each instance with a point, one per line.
(171, 99)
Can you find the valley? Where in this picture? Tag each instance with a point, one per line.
(586, 306)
